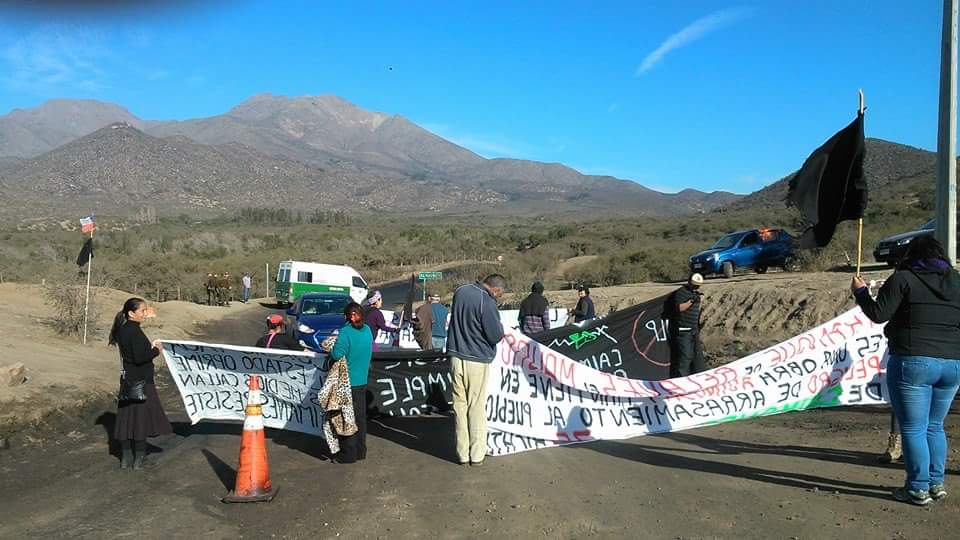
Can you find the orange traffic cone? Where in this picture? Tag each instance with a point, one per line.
(253, 471)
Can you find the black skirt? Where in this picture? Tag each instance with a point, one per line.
(139, 420)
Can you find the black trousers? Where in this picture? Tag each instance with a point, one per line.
(686, 354)
(354, 447)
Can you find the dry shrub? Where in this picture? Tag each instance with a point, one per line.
(67, 301)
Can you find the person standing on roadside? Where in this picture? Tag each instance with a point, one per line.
(423, 328)
(247, 285)
(355, 345)
(374, 317)
(686, 349)
(534, 311)
(211, 288)
(276, 337)
(139, 412)
(472, 338)
(921, 301)
(439, 313)
(584, 310)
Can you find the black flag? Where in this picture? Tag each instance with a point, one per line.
(830, 187)
(86, 252)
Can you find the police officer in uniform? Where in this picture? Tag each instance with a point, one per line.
(211, 285)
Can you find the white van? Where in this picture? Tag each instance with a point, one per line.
(294, 278)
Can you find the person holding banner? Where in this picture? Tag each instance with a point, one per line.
(584, 310)
(534, 311)
(355, 345)
(275, 337)
(472, 338)
(374, 317)
(921, 301)
(686, 349)
(139, 412)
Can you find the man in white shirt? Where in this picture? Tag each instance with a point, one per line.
(247, 282)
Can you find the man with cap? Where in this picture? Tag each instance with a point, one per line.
(686, 349)
(275, 337)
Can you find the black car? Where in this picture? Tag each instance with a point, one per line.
(891, 249)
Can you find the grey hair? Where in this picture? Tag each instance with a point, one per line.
(496, 281)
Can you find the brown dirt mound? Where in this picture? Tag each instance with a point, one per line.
(64, 374)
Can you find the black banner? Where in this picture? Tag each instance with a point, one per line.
(630, 343)
(407, 383)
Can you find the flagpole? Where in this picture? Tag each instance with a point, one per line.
(86, 303)
(946, 231)
(860, 220)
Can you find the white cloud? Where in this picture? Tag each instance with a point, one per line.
(55, 58)
(692, 32)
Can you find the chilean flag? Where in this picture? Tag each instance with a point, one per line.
(88, 224)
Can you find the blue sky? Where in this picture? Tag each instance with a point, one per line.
(703, 94)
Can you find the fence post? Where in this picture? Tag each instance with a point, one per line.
(158, 291)
(178, 292)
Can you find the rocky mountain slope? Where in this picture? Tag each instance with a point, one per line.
(273, 150)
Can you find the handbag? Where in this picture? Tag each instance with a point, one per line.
(132, 390)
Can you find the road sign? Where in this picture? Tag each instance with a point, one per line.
(430, 275)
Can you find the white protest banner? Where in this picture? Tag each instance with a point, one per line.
(508, 317)
(538, 398)
(213, 382)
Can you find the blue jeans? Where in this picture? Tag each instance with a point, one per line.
(246, 293)
(438, 342)
(921, 389)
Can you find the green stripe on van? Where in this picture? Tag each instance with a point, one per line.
(283, 290)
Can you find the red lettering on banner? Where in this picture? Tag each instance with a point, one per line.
(856, 322)
(777, 356)
(609, 390)
(809, 340)
(833, 331)
(567, 375)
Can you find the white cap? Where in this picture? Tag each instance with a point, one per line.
(696, 279)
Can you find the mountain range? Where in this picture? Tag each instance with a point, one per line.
(304, 153)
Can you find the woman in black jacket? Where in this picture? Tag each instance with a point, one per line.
(139, 412)
(921, 301)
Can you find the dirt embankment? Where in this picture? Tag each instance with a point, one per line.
(743, 314)
(65, 376)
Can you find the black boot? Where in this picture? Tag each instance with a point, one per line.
(126, 454)
(141, 452)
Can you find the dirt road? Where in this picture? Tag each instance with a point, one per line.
(798, 475)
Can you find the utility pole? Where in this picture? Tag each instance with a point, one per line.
(946, 231)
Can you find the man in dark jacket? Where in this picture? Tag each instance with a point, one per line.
(472, 338)
(534, 311)
(584, 310)
(686, 349)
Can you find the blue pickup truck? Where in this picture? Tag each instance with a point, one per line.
(756, 248)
